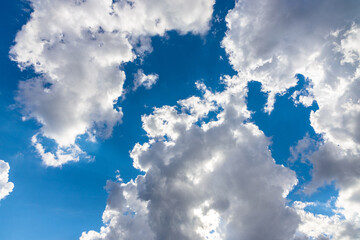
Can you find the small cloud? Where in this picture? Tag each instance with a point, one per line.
(141, 79)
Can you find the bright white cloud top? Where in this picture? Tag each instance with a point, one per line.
(6, 187)
(77, 48)
(204, 178)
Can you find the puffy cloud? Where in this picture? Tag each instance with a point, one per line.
(318, 226)
(343, 225)
(77, 47)
(125, 214)
(271, 41)
(6, 187)
(141, 79)
(203, 179)
(333, 164)
(335, 88)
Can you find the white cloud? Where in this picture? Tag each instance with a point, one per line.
(336, 90)
(6, 187)
(71, 153)
(343, 225)
(141, 79)
(76, 48)
(213, 180)
(271, 41)
(318, 226)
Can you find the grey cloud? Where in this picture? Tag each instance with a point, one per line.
(333, 163)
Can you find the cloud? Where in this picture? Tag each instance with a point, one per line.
(336, 83)
(62, 155)
(6, 187)
(333, 164)
(336, 89)
(141, 79)
(304, 147)
(317, 226)
(203, 179)
(271, 41)
(340, 226)
(125, 215)
(76, 49)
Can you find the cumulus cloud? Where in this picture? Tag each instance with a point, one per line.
(336, 89)
(141, 79)
(6, 187)
(336, 84)
(332, 164)
(125, 214)
(203, 179)
(318, 226)
(340, 226)
(272, 41)
(76, 49)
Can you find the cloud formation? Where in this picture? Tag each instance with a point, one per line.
(6, 187)
(76, 49)
(270, 42)
(204, 179)
(335, 74)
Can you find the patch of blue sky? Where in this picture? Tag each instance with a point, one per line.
(327, 208)
(286, 125)
(129, 213)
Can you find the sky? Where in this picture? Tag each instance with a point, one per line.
(180, 119)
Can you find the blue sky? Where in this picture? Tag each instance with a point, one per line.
(68, 200)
